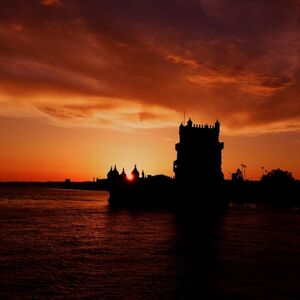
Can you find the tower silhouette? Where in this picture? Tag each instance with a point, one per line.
(199, 154)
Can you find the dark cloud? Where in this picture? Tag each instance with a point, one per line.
(235, 60)
(51, 2)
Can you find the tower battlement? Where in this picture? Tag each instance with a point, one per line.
(201, 126)
(206, 126)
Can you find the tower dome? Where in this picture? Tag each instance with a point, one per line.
(123, 174)
(135, 173)
(115, 171)
(109, 174)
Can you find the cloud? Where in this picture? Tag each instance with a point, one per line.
(116, 114)
(51, 2)
(256, 84)
(238, 62)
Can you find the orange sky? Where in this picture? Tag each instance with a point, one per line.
(86, 84)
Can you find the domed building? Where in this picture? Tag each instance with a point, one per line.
(123, 175)
(135, 174)
(110, 174)
(113, 174)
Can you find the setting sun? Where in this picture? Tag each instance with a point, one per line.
(129, 177)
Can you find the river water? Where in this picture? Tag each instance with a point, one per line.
(68, 244)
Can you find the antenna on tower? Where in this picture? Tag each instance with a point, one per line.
(184, 117)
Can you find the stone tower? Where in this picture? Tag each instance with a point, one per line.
(199, 154)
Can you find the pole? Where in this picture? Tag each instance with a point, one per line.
(243, 166)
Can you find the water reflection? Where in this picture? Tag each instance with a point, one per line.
(70, 244)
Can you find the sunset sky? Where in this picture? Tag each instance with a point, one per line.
(86, 84)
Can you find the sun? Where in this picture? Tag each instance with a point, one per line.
(129, 177)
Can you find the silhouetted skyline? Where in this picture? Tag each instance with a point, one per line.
(198, 182)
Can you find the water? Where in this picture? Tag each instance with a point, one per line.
(59, 244)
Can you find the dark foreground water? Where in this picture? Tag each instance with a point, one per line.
(58, 244)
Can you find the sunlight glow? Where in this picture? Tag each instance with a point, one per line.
(129, 177)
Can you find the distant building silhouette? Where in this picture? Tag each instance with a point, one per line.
(114, 177)
(123, 175)
(237, 176)
(113, 173)
(109, 174)
(199, 154)
(135, 174)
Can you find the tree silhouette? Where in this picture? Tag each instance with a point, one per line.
(278, 176)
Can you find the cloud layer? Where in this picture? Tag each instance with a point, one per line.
(140, 63)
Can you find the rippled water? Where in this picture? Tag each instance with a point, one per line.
(69, 244)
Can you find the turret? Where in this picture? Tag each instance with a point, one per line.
(135, 173)
(113, 175)
(123, 175)
(217, 125)
(115, 171)
(110, 174)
